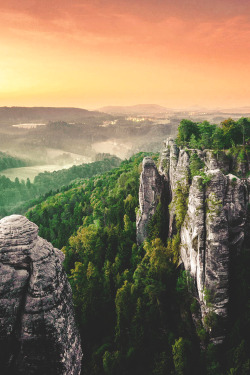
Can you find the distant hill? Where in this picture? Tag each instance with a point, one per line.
(15, 115)
(151, 109)
(239, 110)
(139, 109)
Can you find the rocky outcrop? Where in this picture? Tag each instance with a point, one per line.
(151, 188)
(213, 232)
(38, 334)
(214, 229)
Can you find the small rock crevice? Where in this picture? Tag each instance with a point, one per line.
(15, 338)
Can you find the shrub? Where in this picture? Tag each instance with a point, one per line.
(194, 307)
(196, 165)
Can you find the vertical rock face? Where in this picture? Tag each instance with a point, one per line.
(38, 334)
(212, 234)
(215, 227)
(151, 187)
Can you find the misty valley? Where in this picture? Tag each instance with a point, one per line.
(48, 139)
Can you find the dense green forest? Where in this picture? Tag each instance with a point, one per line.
(204, 135)
(132, 303)
(8, 161)
(17, 196)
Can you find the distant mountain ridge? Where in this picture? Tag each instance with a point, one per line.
(240, 110)
(142, 109)
(17, 115)
(29, 114)
(150, 109)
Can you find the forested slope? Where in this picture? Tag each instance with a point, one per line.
(17, 197)
(130, 301)
(132, 304)
(8, 161)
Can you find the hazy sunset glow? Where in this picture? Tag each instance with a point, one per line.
(93, 53)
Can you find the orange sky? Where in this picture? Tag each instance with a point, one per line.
(93, 53)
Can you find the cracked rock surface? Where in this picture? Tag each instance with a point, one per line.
(216, 221)
(38, 334)
(151, 188)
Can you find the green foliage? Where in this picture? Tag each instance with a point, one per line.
(244, 124)
(184, 283)
(234, 181)
(186, 129)
(173, 247)
(194, 307)
(210, 320)
(193, 142)
(232, 132)
(157, 227)
(196, 168)
(206, 178)
(238, 340)
(195, 165)
(181, 354)
(206, 131)
(202, 333)
(208, 297)
(212, 360)
(7, 161)
(180, 205)
(213, 205)
(111, 362)
(218, 142)
(242, 156)
(180, 202)
(209, 136)
(241, 360)
(18, 196)
(110, 276)
(159, 257)
(132, 303)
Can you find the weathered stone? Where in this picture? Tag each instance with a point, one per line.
(215, 225)
(217, 160)
(151, 188)
(177, 171)
(38, 334)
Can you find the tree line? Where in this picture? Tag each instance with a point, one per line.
(16, 196)
(7, 161)
(204, 135)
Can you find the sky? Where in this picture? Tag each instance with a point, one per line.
(93, 53)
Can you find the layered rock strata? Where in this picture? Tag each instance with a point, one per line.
(38, 334)
(215, 226)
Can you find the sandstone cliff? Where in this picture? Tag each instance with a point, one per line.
(150, 193)
(214, 226)
(38, 334)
